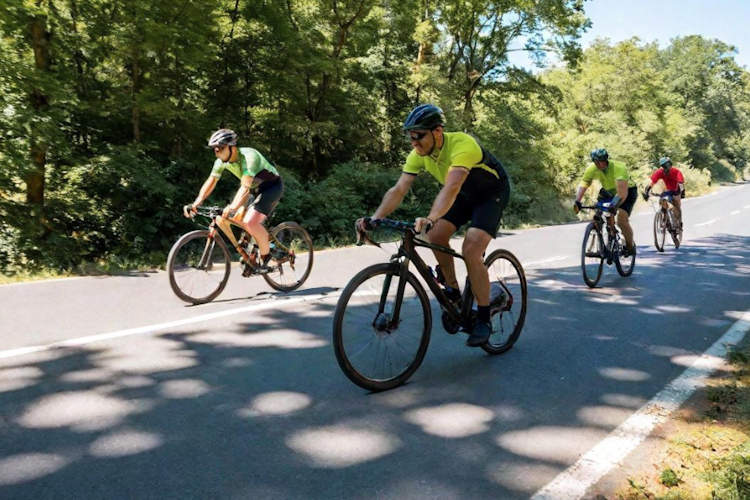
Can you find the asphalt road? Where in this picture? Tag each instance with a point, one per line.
(111, 387)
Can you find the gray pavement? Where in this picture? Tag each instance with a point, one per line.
(251, 403)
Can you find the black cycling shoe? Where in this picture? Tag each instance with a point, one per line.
(627, 252)
(480, 335)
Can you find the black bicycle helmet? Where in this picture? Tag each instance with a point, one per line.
(424, 117)
(599, 155)
(223, 137)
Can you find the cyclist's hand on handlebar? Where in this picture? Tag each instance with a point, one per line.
(421, 223)
(189, 211)
(228, 212)
(577, 206)
(362, 224)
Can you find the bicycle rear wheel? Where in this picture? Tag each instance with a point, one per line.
(374, 351)
(508, 297)
(592, 256)
(292, 257)
(198, 266)
(660, 230)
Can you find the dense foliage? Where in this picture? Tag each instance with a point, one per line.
(105, 107)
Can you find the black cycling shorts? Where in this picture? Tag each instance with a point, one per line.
(269, 194)
(626, 205)
(482, 199)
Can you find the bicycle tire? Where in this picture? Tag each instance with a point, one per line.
(595, 248)
(508, 313)
(296, 238)
(660, 230)
(624, 266)
(368, 311)
(177, 253)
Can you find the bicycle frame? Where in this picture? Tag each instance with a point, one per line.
(612, 233)
(407, 253)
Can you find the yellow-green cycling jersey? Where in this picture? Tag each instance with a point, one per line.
(459, 150)
(249, 162)
(615, 171)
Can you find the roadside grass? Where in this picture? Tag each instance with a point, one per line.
(707, 452)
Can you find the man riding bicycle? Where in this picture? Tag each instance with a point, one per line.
(614, 178)
(475, 188)
(250, 167)
(674, 182)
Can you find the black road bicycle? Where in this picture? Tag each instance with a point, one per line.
(199, 262)
(383, 320)
(596, 250)
(665, 221)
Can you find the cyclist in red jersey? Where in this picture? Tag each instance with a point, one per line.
(674, 182)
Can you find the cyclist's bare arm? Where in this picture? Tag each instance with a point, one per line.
(581, 190)
(242, 193)
(394, 196)
(622, 190)
(205, 192)
(447, 195)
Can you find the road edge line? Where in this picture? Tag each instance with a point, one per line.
(573, 483)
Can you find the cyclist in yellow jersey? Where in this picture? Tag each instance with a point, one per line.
(475, 188)
(252, 169)
(617, 186)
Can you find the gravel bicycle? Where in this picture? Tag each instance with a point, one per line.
(383, 319)
(665, 220)
(199, 262)
(595, 250)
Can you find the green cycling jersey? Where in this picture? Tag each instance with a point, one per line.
(249, 162)
(615, 171)
(459, 150)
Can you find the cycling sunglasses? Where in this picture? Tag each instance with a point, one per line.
(416, 136)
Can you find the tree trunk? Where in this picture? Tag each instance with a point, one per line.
(35, 176)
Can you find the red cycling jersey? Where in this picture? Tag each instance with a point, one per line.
(671, 179)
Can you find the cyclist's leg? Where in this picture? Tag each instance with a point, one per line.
(677, 207)
(256, 215)
(475, 243)
(458, 215)
(440, 234)
(485, 221)
(623, 216)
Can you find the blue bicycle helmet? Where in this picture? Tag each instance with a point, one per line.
(665, 161)
(424, 117)
(599, 155)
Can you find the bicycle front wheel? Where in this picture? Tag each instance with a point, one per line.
(508, 297)
(624, 265)
(660, 230)
(381, 327)
(198, 266)
(292, 257)
(592, 256)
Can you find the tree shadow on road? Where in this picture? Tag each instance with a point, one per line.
(258, 408)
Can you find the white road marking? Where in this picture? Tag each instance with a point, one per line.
(734, 212)
(273, 304)
(706, 223)
(35, 282)
(608, 453)
(545, 261)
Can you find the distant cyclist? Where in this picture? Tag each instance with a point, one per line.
(617, 187)
(674, 182)
(475, 188)
(253, 170)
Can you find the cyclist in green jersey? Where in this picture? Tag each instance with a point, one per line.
(253, 170)
(475, 188)
(617, 187)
